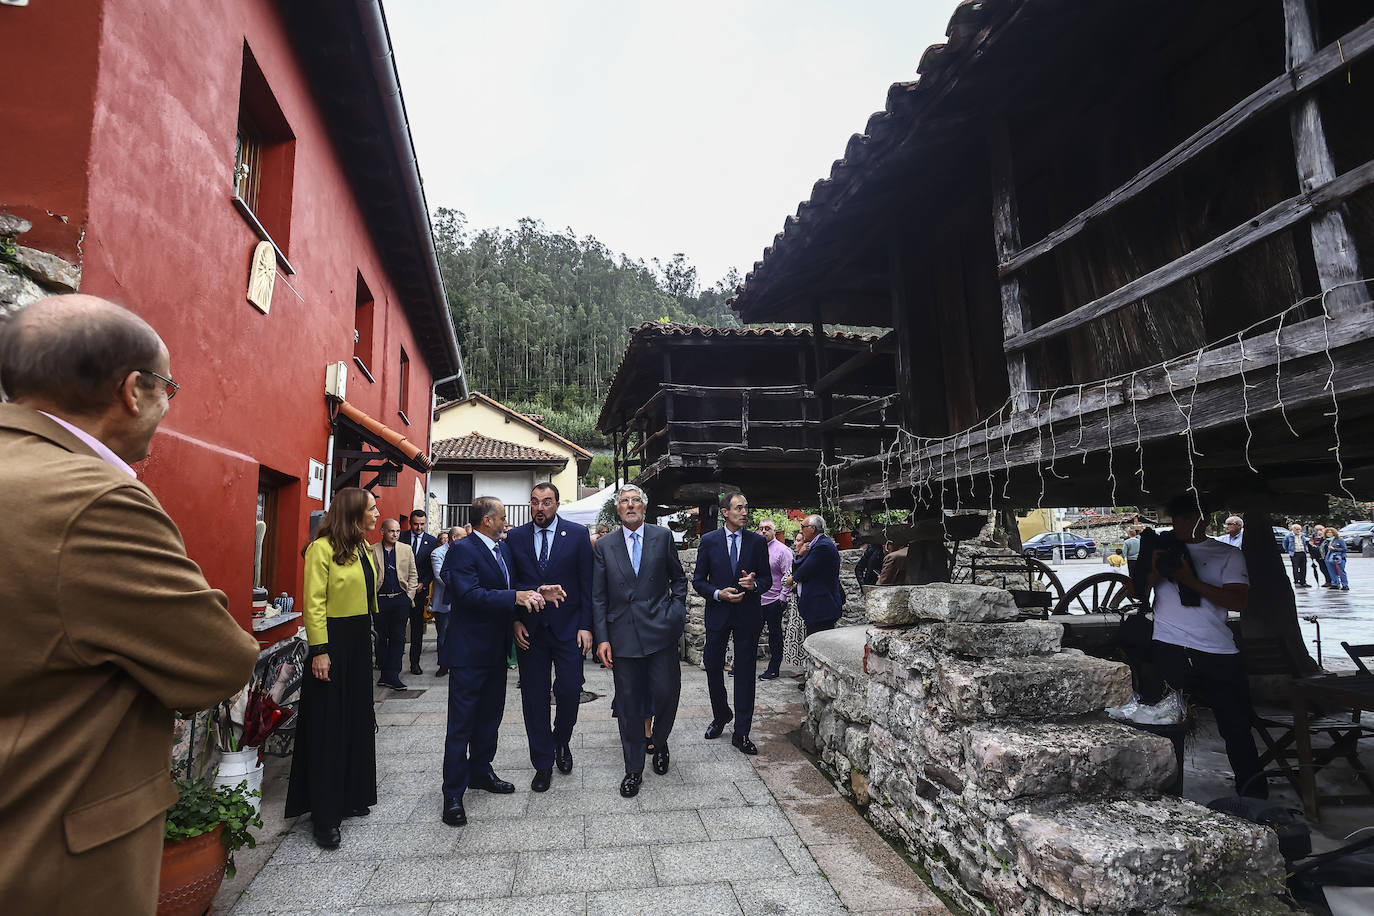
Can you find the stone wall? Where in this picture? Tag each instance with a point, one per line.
(27, 274)
(979, 744)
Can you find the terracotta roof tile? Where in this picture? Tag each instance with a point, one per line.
(477, 447)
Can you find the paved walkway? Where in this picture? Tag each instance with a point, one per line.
(720, 833)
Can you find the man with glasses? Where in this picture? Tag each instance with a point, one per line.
(732, 572)
(774, 600)
(639, 610)
(110, 625)
(816, 576)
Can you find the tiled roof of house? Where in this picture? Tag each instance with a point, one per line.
(477, 447)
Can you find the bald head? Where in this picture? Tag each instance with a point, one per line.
(74, 352)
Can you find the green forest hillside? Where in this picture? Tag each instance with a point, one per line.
(542, 316)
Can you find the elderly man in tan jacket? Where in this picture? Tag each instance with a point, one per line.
(398, 580)
(109, 627)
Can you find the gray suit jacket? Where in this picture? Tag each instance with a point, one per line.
(638, 615)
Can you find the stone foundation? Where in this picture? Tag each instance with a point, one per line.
(27, 274)
(980, 745)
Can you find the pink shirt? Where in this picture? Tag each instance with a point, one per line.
(779, 564)
(100, 448)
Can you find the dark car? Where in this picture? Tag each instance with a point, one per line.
(1044, 545)
(1358, 534)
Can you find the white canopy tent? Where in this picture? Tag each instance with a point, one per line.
(585, 510)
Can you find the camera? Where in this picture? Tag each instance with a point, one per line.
(1169, 563)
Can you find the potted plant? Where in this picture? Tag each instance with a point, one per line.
(204, 829)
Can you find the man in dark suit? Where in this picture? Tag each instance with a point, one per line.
(816, 575)
(552, 551)
(421, 544)
(639, 610)
(732, 572)
(482, 602)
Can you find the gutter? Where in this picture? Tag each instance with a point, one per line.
(378, 41)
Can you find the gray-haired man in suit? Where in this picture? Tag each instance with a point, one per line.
(639, 609)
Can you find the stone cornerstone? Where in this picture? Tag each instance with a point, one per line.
(27, 274)
(979, 743)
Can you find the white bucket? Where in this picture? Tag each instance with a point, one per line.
(240, 766)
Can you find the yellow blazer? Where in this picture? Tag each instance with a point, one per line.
(332, 590)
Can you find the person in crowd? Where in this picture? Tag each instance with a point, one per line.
(1194, 587)
(732, 572)
(871, 563)
(110, 626)
(1295, 545)
(438, 601)
(639, 611)
(773, 601)
(816, 576)
(1235, 529)
(894, 568)
(421, 544)
(1335, 549)
(395, 565)
(553, 556)
(1130, 549)
(1117, 559)
(482, 601)
(1316, 553)
(334, 766)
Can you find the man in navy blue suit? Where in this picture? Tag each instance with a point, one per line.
(482, 601)
(816, 575)
(732, 572)
(422, 544)
(551, 551)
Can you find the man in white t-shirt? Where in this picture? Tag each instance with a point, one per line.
(1193, 648)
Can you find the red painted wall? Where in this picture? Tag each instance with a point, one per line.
(162, 237)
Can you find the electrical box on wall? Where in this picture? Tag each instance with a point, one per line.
(314, 486)
(336, 380)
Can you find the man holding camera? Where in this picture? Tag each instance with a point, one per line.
(1196, 580)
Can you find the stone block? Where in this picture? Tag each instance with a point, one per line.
(49, 269)
(1085, 758)
(1040, 687)
(16, 292)
(890, 605)
(965, 603)
(11, 225)
(1131, 855)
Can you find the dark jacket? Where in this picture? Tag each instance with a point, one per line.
(569, 565)
(818, 572)
(481, 606)
(638, 614)
(422, 547)
(713, 572)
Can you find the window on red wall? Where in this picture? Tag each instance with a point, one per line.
(264, 158)
(363, 316)
(404, 385)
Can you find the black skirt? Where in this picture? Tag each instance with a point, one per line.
(334, 765)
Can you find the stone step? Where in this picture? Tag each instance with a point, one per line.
(1089, 758)
(1057, 686)
(919, 647)
(1138, 856)
(901, 605)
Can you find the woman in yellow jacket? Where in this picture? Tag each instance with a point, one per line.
(334, 766)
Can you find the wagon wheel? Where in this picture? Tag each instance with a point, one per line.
(1044, 576)
(1095, 594)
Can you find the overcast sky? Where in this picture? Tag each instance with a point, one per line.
(656, 127)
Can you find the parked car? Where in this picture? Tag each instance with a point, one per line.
(1044, 545)
(1358, 534)
(1280, 533)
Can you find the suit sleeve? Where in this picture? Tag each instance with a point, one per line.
(763, 568)
(412, 582)
(600, 632)
(436, 563)
(701, 576)
(317, 562)
(463, 585)
(130, 597)
(677, 579)
(584, 579)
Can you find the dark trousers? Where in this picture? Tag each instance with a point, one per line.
(649, 682)
(417, 623)
(1299, 561)
(819, 626)
(561, 656)
(476, 699)
(1218, 681)
(1322, 568)
(746, 636)
(391, 634)
(772, 617)
(441, 630)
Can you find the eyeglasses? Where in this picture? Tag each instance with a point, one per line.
(172, 387)
(632, 499)
(808, 526)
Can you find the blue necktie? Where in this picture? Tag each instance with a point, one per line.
(501, 561)
(734, 553)
(634, 551)
(543, 548)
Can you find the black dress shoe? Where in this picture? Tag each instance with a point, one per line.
(416, 669)
(629, 786)
(661, 761)
(454, 815)
(717, 728)
(540, 782)
(562, 758)
(394, 685)
(744, 744)
(442, 672)
(768, 676)
(492, 783)
(327, 837)
(362, 811)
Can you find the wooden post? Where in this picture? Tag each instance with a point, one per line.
(1333, 247)
(901, 329)
(744, 418)
(1006, 231)
(818, 345)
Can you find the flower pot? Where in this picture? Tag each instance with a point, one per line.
(844, 540)
(192, 871)
(240, 766)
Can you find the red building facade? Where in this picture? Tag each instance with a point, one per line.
(156, 145)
